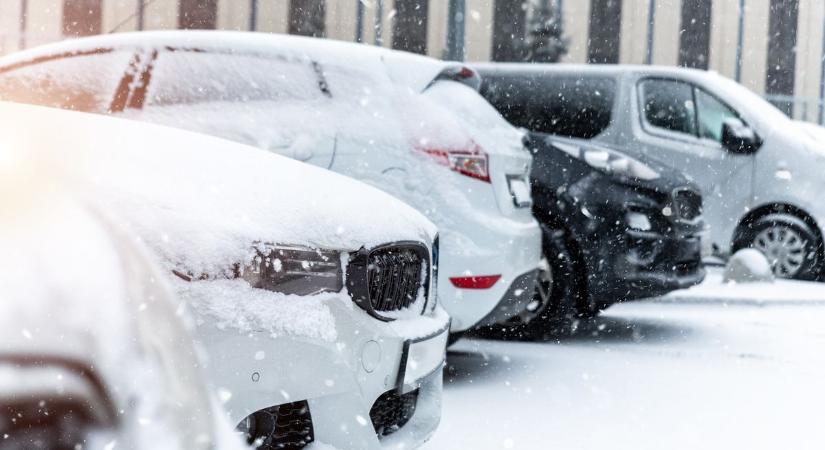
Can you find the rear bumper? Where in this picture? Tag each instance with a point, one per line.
(644, 264)
(512, 252)
(514, 301)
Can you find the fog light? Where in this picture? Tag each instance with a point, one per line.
(638, 221)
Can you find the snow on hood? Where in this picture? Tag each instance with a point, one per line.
(75, 291)
(201, 202)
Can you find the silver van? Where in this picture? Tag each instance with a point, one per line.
(759, 172)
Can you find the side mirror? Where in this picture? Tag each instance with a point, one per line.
(739, 138)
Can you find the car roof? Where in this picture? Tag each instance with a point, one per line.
(368, 57)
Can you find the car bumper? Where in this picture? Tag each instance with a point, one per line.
(643, 265)
(341, 380)
(512, 252)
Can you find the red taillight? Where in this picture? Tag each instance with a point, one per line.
(479, 282)
(466, 72)
(472, 163)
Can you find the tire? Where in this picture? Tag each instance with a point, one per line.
(453, 337)
(793, 249)
(568, 301)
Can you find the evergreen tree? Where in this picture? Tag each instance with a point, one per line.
(545, 33)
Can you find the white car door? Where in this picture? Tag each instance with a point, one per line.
(681, 125)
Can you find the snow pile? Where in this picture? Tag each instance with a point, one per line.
(748, 265)
(780, 292)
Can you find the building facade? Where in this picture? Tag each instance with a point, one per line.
(780, 53)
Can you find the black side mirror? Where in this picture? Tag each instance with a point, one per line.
(739, 138)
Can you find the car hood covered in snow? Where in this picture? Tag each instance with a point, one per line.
(202, 203)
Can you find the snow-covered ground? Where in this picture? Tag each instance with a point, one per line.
(716, 367)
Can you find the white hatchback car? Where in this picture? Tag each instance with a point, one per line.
(93, 348)
(311, 291)
(412, 126)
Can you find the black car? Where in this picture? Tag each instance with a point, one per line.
(615, 228)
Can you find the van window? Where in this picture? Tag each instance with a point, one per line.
(178, 78)
(563, 105)
(712, 115)
(669, 105)
(81, 82)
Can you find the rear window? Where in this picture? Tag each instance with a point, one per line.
(81, 82)
(560, 105)
(178, 78)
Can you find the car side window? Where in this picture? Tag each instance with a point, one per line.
(712, 114)
(178, 78)
(82, 82)
(669, 105)
(562, 105)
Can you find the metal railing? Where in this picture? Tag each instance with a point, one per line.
(806, 109)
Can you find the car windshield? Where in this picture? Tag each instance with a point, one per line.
(751, 102)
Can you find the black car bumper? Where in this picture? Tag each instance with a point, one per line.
(643, 264)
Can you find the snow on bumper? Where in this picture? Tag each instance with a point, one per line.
(342, 379)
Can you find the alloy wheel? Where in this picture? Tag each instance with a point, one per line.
(784, 248)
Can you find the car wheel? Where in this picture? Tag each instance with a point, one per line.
(566, 300)
(792, 248)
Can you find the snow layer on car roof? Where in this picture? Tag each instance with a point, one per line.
(202, 203)
(414, 71)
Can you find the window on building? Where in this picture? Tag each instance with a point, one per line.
(694, 38)
(605, 30)
(82, 17)
(782, 26)
(410, 26)
(669, 105)
(198, 14)
(509, 30)
(307, 17)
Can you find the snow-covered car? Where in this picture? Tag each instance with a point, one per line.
(392, 119)
(311, 291)
(759, 172)
(93, 348)
(812, 130)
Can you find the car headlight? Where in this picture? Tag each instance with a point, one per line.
(638, 221)
(294, 270)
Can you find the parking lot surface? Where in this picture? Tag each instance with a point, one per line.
(719, 367)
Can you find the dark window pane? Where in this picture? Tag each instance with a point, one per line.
(307, 17)
(561, 105)
(198, 14)
(81, 17)
(410, 26)
(694, 40)
(784, 15)
(669, 105)
(605, 29)
(509, 28)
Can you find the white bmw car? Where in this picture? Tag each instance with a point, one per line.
(412, 126)
(311, 291)
(94, 351)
